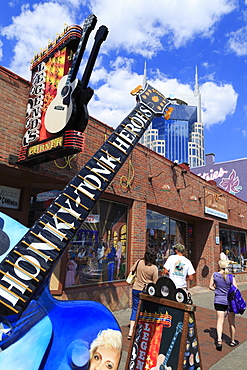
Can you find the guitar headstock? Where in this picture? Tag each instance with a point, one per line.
(90, 22)
(179, 327)
(153, 99)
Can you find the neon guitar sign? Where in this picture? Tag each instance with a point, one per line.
(66, 116)
(62, 107)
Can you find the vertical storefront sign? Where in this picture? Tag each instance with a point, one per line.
(9, 197)
(215, 204)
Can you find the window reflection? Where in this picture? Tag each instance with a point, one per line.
(234, 246)
(162, 233)
(98, 251)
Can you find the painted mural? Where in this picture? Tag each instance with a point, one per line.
(52, 334)
(230, 176)
(228, 182)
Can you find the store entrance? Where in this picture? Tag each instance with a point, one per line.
(163, 232)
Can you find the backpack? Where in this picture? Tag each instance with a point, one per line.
(236, 302)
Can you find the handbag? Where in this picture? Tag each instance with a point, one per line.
(236, 302)
(132, 275)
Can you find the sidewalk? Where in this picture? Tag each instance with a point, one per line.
(229, 358)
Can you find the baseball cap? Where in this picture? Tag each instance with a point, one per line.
(179, 247)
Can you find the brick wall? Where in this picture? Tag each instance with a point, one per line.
(14, 93)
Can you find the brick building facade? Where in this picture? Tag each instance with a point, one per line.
(146, 182)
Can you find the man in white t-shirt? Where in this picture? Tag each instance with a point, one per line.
(178, 267)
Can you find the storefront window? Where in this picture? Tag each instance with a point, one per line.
(233, 244)
(163, 232)
(98, 251)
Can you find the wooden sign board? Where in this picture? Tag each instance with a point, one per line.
(165, 336)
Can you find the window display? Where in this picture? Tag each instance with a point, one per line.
(233, 244)
(98, 251)
(162, 233)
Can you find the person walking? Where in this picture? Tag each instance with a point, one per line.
(220, 284)
(110, 257)
(178, 267)
(146, 272)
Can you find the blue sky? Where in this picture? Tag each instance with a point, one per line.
(172, 36)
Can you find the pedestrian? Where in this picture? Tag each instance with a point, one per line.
(178, 267)
(110, 257)
(100, 254)
(146, 272)
(220, 284)
(71, 270)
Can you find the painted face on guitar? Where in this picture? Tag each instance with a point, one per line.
(105, 358)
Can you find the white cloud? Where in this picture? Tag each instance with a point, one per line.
(238, 41)
(140, 26)
(218, 101)
(244, 132)
(74, 3)
(31, 31)
(1, 50)
(112, 101)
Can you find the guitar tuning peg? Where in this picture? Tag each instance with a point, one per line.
(136, 90)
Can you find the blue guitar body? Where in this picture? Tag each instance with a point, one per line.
(50, 334)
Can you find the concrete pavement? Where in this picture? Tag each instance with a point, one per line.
(229, 358)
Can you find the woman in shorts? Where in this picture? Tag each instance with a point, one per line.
(220, 284)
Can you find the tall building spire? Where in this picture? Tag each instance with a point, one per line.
(144, 75)
(198, 95)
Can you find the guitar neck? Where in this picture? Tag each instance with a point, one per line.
(88, 26)
(99, 38)
(178, 330)
(27, 267)
(24, 271)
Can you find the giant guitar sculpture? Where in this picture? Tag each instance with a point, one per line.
(62, 108)
(70, 103)
(29, 314)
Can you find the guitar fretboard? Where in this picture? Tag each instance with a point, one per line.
(178, 330)
(99, 38)
(88, 26)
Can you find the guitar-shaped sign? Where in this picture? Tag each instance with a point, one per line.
(62, 107)
(179, 329)
(85, 93)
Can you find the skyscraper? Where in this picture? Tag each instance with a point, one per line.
(181, 136)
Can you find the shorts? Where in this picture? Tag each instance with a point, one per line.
(220, 307)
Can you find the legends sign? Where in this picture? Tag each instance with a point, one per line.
(165, 336)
